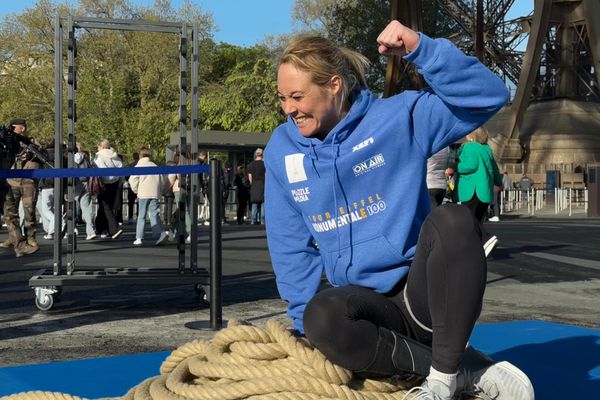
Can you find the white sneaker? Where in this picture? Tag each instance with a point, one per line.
(170, 235)
(103, 236)
(489, 245)
(161, 238)
(206, 223)
(91, 237)
(499, 381)
(137, 242)
(430, 390)
(188, 239)
(494, 219)
(49, 236)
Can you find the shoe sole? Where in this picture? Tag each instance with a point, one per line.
(489, 245)
(517, 385)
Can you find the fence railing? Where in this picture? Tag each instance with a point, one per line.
(565, 200)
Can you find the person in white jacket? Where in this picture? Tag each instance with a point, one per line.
(108, 201)
(148, 188)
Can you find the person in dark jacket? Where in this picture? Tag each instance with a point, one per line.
(256, 177)
(242, 190)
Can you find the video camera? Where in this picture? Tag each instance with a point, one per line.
(11, 144)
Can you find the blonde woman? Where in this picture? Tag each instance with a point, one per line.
(346, 196)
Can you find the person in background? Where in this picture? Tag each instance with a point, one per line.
(226, 185)
(21, 191)
(149, 189)
(346, 198)
(131, 197)
(242, 189)
(109, 201)
(180, 201)
(204, 214)
(81, 159)
(437, 176)
(256, 177)
(525, 185)
(478, 176)
(45, 201)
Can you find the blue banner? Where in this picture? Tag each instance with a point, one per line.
(87, 172)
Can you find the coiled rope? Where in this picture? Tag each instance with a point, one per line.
(247, 362)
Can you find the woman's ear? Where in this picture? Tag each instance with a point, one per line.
(335, 85)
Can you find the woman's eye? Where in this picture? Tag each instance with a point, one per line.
(297, 98)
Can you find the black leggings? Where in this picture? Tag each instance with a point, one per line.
(352, 325)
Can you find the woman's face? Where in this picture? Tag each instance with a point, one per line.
(312, 107)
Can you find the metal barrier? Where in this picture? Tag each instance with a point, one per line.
(535, 200)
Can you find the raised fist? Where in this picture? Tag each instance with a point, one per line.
(397, 39)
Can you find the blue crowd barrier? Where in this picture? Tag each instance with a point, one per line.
(86, 172)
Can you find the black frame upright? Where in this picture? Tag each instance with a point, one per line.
(49, 283)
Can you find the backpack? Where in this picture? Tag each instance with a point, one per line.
(95, 186)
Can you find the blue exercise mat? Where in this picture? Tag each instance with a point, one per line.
(562, 361)
(90, 378)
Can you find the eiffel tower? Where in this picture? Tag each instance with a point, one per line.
(553, 120)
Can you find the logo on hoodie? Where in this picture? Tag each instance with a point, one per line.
(363, 144)
(294, 166)
(369, 165)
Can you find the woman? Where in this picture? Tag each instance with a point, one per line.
(346, 195)
(149, 189)
(477, 175)
(109, 201)
(242, 189)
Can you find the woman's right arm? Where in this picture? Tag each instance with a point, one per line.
(296, 261)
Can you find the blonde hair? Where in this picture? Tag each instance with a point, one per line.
(480, 135)
(322, 60)
(104, 143)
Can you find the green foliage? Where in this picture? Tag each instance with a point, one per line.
(128, 82)
(241, 94)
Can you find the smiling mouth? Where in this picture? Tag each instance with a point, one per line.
(300, 120)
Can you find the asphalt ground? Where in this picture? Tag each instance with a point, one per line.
(544, 268)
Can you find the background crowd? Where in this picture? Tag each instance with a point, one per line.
(100, 202)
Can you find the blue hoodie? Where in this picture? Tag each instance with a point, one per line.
(352, 204)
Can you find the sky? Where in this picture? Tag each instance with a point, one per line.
(243, 22)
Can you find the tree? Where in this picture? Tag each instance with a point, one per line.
(356, 25)
(241, 92)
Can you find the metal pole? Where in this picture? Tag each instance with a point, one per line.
(72, 119)
(479, 30)
(570, 202)
(184, 187)
(194, 146)
(58, 123)
(216, 301)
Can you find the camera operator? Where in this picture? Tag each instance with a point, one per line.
(21, 190)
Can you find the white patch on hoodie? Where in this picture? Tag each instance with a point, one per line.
(294, 166)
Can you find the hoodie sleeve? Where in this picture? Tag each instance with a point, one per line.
(462, 95)
(296, 261)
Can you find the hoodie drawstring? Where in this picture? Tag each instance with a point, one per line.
(334, 175)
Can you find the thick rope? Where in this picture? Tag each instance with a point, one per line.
(246, 362)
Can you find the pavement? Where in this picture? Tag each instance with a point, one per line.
(545, 268)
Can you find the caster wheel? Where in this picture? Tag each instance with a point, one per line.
(44, 302)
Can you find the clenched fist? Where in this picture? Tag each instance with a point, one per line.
(397, 39)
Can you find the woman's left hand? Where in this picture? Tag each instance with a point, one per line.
(397, 39)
